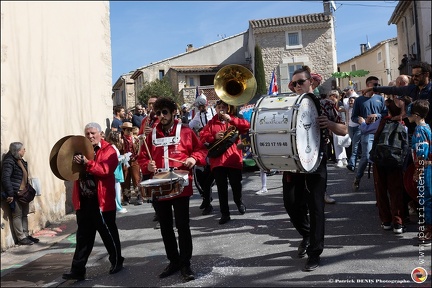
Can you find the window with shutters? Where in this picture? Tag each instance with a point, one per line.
(293, 40)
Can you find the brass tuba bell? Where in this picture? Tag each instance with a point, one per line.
(235, 84)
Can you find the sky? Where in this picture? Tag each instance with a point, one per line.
(143, 32)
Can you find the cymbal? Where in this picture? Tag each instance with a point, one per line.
(72, 146)
(409, 183)
(53, 156)
(175, 174)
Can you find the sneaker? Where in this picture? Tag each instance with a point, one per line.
(356, 184)
(262, 191)
(25, 241)
(344, 162)
(170, 270)
(139, 200)
(122, 210)
(386, 225)
(339, 164)
(350, 167)
(398, 228)
(328, 199)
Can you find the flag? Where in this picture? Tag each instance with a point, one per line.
(273, 89)
(197, 92)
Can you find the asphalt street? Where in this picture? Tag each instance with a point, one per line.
(257, 249)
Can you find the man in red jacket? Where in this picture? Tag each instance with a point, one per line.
(173, 145)
(93, 198)
(229, 165)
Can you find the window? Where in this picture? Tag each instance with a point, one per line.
(293, 40)
(161, 74)
(292, 68)
(191, 81)
(379, 56)
(353, 67)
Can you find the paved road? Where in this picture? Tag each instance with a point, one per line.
(255, 249)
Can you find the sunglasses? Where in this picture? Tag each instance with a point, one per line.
(300, 82)
(164, 112)
(416, 75)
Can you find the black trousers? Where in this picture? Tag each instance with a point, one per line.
(90, 219)
(222, 175)
(206, 179)
(303, 194)
(164, 210)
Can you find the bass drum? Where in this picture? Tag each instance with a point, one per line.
(285, 133)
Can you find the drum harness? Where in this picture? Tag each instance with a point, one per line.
(165, 142)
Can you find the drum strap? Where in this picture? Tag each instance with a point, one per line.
(165, 142)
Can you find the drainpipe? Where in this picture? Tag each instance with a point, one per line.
(417, 31)
(408, 46)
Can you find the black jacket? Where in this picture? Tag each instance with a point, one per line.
(12, 175)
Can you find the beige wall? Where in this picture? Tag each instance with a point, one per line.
(55, 78)
(385, 68)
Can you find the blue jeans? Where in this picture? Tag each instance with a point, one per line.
(366, 144)
(355, 135)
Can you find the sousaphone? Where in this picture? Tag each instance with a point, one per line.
(62, 153)
(235, 84)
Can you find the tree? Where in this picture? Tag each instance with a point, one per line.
(160, 88)
(259, 72)
(357, 73)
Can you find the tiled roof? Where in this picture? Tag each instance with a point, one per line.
(282, 21)
(197, 68)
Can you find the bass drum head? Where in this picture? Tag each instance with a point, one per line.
(307, 137)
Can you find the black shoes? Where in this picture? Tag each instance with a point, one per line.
(25, 241)
(224, 219)
(301, 250)
(34, 240)
(312, 263)
(187, 273)
(169, 270)
(207, 210)
(116, 268)
(73, 276)
(241, 208)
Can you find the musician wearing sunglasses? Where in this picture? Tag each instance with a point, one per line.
(173, 145)
(303, 193)
(227, 166)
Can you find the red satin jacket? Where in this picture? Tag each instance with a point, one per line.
(233, 157)
(102, 167)
(188, 146)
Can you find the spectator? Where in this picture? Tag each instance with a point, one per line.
(138, 116)
(119, 116)
(14, 179)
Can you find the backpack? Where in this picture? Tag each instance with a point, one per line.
(391, 147)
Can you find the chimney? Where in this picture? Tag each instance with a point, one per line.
(189, 48)
(363, 48)
(326, 5)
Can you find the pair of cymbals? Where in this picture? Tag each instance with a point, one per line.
(62, 153)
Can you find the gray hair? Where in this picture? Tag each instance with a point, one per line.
(14, 149)
(93, 125)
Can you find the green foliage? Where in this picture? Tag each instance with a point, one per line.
(357, 73)
(160, 88)
(259, 72)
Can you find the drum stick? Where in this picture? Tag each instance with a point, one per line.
(172, 159)
(148, 152)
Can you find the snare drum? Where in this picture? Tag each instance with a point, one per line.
(285, 133)
(160, 188)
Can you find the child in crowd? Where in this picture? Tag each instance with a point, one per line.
(422, 156)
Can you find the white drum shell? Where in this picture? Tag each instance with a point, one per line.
(279, 139)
